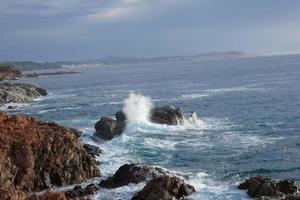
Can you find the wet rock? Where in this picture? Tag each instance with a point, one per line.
(165, 188)
(261, 186)
(36, 155)
(80, 192)
(287, 187)
(167, 115)
(292, 197)
(132, 173)
(19, 92)
(107, 128)
(92, 150)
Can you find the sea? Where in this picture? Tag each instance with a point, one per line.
(247, 123)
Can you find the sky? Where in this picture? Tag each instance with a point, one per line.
(52, 30)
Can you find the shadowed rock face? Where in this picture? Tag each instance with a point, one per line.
(262, 186)
(166, 115)
(36, 155)
(19, 92)
(131, 173)
(107, 128)
(165, 188)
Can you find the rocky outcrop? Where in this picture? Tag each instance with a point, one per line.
(36, 155)
(166, 115)
(132, 173)
(262, 186)
(165, 188)
(107, 128)
(9, 73)
(19, 92)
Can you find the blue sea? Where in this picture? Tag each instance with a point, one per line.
(248, 110)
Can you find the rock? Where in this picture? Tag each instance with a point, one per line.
(19, 92)
(79, 192)
(107, 128)
(49, 196)
(9, 73)
(167, 115)
(292, 197)
(36, 155)
(287, 187)
(11, 107)
(92, 150)
(131, 173)
(164, 188)
(12, 193)
(261, 186)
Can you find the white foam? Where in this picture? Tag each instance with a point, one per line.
(137, 107)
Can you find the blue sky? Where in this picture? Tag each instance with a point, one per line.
(84, 29)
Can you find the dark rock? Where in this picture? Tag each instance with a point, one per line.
(11, 107)
(107, 128)
(79, 192)
(92, 150)
(167, 115)
(131, 173)
(292, 197)
(261, 186)
(287, 187)
(37, 155)
(165, 188)
(120, 116)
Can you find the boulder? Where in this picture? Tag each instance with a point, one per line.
(262, 186)
(19, 92)
(131, 173)
(107, 128)
(165, 188)
(36, 155)
(167, 115)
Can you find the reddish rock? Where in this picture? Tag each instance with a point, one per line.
(12, 194)
(49, 196)
(36, 155)
(9, 73)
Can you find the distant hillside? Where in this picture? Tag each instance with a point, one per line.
(30, 65)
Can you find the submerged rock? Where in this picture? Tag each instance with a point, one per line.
(262, 186)
(165, 188)
(132, 173)
(36, 155)
(19, 92)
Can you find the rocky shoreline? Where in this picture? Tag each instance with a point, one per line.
(36, 156)
(19, 93)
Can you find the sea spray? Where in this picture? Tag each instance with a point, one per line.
(137, 108)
